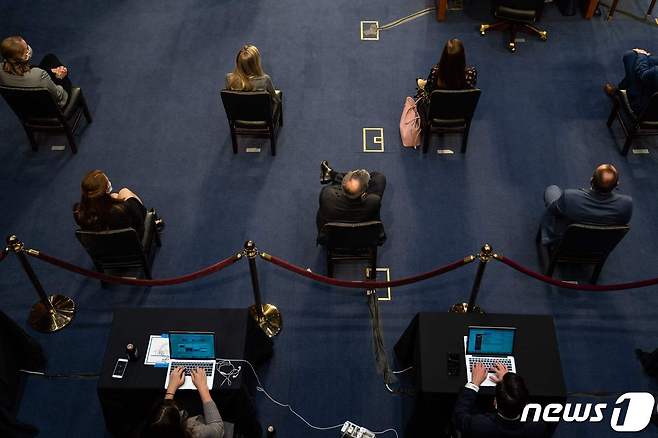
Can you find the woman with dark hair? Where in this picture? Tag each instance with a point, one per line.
(248, 74)
(100, 209)
(451, 73)
(170, 421)
(18, 72)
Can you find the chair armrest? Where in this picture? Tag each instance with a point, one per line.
(73, 102)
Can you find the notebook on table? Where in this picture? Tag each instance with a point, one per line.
(190, 350)
(488, 345)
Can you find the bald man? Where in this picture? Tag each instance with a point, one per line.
(599, 205)
(352, 197)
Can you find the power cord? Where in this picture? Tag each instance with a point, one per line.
(228, 362)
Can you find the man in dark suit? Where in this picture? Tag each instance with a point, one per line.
(353, 197)
(511, 398)
(598, 205)
(641, 80)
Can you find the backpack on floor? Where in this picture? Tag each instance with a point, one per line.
(410, 127)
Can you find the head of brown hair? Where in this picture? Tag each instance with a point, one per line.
(93, 210)
(452, 66)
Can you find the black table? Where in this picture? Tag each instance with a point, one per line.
(127, 402)
(431, 336)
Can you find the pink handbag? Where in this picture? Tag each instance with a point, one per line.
(410, 129)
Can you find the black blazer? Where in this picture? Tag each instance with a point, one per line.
(472, 424)
(336, 207)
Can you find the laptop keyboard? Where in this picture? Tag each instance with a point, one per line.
(489, 362)
(189, 366)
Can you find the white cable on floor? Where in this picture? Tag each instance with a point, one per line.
(283, 405)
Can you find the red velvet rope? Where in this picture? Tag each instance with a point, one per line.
(216, 267)
(365, 284)
(563, 284)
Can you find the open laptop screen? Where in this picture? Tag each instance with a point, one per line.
(491, 340)
(191, 345)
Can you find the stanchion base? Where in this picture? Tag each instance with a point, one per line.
(45, 320)
(463, 308)
(271, 322)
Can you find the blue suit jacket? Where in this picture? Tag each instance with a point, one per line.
(472, 424)
(584, 206)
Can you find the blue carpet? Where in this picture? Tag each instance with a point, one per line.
(151, 72)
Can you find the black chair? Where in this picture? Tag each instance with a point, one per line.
(586, 244)
(450, 111)
(253, 113)
(517, 15)
(116, 251)
(38, 111)
(353, 242)
(634, 125)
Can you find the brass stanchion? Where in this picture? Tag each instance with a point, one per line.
(267, 316)
(51, 313)
(486, 253)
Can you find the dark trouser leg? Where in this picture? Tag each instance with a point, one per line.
(629, 66)
(377, 184)
(51, 61)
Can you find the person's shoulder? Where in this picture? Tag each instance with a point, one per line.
(330, 191)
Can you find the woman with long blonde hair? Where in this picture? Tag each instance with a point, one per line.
(248, 74)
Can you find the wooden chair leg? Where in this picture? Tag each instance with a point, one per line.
(465, 137)
(234, 141)
(651, 6)
(512, 38)
(427, 136)
(551, 267)
(330, 266)
(373, 264)
(147, 269)
(31, 138)
(71, 137)
(597, 270)
(628, 142)
(612, 10)
(613, 114)
(272, 141)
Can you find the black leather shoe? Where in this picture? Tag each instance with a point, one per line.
(326, 172)
(159, 224)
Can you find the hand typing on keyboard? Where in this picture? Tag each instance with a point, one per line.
(480, 372)
(499, 372)
(176, 379)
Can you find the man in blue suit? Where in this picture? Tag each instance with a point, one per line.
(641, 80)
(598, 205)
(511, 398)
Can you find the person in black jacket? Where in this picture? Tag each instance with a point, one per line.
(101, 209)
(511, 398)
(352, 197)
